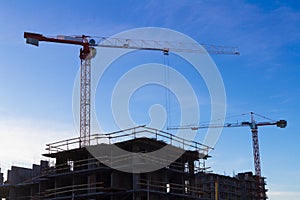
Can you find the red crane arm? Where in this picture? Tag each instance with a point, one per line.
(34, 38)
(164, 46)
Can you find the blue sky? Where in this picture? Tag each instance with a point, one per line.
(36, 84)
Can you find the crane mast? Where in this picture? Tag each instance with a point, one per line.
(85, 102)
(87, 52)
(85, 93)
(255, 144)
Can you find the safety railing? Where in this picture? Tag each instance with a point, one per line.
(128, 134)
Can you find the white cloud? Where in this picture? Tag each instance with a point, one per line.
(24, 140)
(279, 195)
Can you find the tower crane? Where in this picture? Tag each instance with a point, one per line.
(88, 51)
(254, 130)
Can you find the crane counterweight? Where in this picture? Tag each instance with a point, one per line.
(281, 123)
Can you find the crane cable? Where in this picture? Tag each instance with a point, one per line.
(167, 91)
(264, 117)
(239, 115)
(225, 118)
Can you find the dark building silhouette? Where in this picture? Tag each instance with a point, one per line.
(79, 174)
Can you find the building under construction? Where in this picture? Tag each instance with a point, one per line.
(73, 172)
